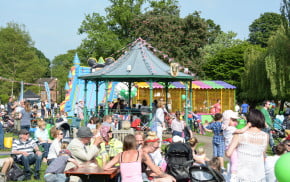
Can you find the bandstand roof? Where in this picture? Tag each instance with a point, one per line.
(138, 64)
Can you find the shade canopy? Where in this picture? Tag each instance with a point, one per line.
(138, 64)
(29, 95)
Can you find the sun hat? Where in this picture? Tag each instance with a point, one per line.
(84, 132)
(177, 138)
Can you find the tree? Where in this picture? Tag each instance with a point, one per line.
(120, 13)
(100, 41)
(255, 84)
(263, 28)
(176, 37)
(223, 40)
(19, 59)
(164, 7)
(227, 65)
(277, 64)
(285, 11)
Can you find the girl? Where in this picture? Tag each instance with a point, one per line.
(229, 122)
(149, 169)
(130, 161)
(200, 157)
(177, 125)
(55, 146)
(25, 116)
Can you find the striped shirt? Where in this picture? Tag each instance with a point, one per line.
(27, 146)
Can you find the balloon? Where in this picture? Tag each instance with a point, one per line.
(242, 124)
(282, 168)
(183, 97)
(122, 92)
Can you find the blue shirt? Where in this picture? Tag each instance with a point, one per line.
(216, 127)
(245, 108)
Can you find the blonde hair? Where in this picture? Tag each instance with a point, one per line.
(41, 123)
(140, 133)
(200, 151)
(27, 107)
(151, 135)
(126, 125)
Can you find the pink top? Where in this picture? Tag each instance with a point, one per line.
(131, 171)
(216, 108)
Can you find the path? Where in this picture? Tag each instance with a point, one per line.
(207, 140)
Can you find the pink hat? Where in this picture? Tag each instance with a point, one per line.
(104, 132)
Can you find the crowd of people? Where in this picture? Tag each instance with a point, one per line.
(139, 155)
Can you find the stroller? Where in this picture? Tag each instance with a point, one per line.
(204, 174)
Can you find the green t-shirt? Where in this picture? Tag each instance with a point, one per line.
(267, 117)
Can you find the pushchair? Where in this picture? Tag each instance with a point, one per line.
(204, 174)
(65, 127)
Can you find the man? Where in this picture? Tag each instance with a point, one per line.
(244, 108)
(80, 148)
(268, 120)
(27, 153)
(10, 106)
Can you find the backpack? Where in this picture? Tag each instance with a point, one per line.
(179, 159)
(204, 174)
(15, 173)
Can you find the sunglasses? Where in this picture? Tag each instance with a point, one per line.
(25, 133)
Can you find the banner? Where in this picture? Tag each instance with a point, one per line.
(47, 92)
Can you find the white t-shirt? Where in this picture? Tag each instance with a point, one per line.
(228, 134)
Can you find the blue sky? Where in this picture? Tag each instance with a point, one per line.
(53, 24)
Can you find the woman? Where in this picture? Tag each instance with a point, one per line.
(216, 108)
(92, 122)
(130, 161)
(159, 124)
(251, 147)
(177, 125)
(149, 169)
(26, 116)
(41, 135)
(110, 146)
(55, 146)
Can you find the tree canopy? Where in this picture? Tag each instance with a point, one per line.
(20, 61)
(263, 28)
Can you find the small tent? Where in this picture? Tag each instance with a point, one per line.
(31, 96)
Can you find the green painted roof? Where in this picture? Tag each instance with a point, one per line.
(137, 64)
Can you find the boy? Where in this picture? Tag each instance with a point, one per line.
(54, 171)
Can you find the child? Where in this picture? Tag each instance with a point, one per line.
(218, 140)
(200, 157)
(54, 171)
(229, 122)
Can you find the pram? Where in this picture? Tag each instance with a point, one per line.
(65, 127)
(204, 174)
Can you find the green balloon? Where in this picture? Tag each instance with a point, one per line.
(282, 168)
(183, 97)
(242, 123)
